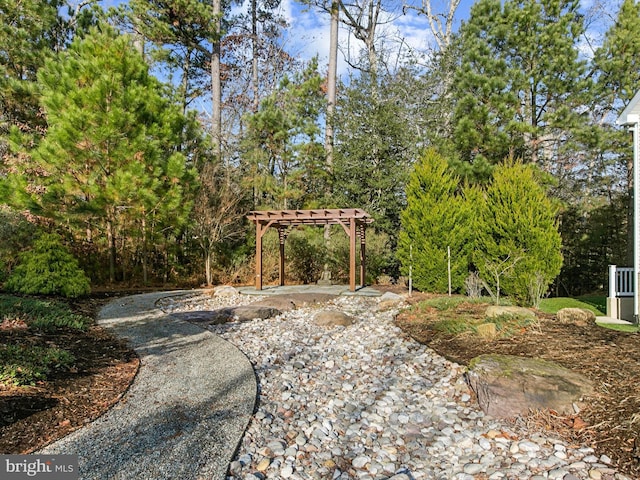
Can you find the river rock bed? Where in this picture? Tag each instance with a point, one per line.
(366, 402)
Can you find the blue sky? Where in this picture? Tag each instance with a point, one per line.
(308, 34)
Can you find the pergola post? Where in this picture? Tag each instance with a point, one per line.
(258, 256)
(282, 236)
(352, 254)
(363, 262)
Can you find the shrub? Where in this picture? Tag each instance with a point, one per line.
(306, 254)
(379, 256)
(434, 222)
(518, 230)
(48, 269)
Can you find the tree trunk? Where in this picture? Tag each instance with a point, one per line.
(216, 83)
(254, 53)
(111, 240)
(207, 267)
(332, 80)
(144, 250)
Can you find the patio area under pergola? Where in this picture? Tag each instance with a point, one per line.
(353, 220)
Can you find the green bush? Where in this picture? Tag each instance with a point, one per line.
(434, 223)
(518, 243)
(24, 365)
(306, 254)
(379, 256)
(48, 269)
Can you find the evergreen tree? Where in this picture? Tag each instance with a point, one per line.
(375, 146)
(520, 84)
(282, 149)
(434, 223)
(110, 162)
(29, 32)
(517, 239)
(179, 34)
(617, 69)
(617, 61)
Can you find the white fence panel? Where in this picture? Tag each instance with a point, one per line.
(621, 282)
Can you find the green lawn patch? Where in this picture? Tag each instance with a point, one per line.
(620, 327)
(552, 305)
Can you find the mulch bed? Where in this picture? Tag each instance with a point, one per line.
(31, 417)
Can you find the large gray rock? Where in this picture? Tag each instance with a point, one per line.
(508, 385)
(494, 311)
(224, 291)
(332, 318)
(390, 300)
(577, 316)
(244, 313)
(284, 303)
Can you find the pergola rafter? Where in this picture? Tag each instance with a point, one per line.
(352, 220)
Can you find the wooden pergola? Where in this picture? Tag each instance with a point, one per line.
(352, 220)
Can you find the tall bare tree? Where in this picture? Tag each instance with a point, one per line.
(216, 80)
(441, 22)
(219, 212)
(332, 80)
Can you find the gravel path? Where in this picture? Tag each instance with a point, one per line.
(186, 410)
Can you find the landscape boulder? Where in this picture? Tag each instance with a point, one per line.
(292, 301)
(576, 316)
(508, 385)
(389, 300)
(494, 311)
(244, 313)
(224, 291)
(332, 318)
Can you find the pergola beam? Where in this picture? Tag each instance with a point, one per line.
(352, 220)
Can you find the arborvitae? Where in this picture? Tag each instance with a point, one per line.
(517, 228)
(435, 219)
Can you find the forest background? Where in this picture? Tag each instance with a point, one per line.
(142, 134)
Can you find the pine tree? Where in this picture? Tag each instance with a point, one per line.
(29, 32)
(110, 161)
(617, 61)
(520, 82)
(282, 149)
(617, 68)
(434, 223)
